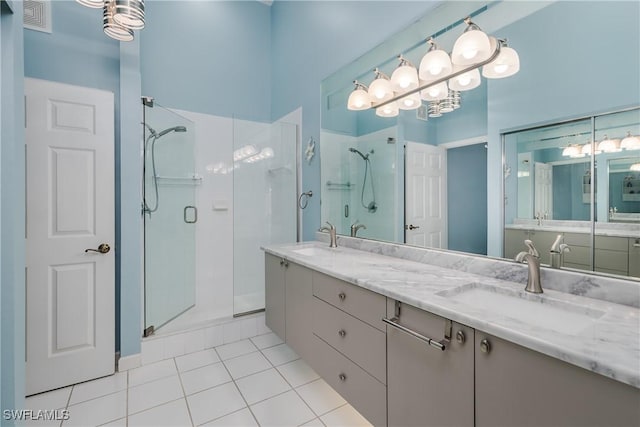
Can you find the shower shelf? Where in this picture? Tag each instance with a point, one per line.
(339, 185)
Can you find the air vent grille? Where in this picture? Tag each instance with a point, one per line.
(37, 15)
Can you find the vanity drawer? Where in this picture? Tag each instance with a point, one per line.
(612, 243)
(366, 394)
(360, 342)
(612, 260)
(360, 303)
(577, 239)
(577, 255)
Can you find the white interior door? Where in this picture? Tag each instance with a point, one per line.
(543, 201)
(426, 196)
(70, 207)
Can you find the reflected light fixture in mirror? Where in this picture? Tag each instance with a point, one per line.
(635, 167)
(586, 149)
(609, 145)
(630, 142)
(119, 17)
(573, 150)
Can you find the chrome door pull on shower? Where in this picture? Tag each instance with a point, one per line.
(102, 249)
(195, 214)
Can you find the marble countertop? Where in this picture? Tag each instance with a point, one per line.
(601, 230)
(608, 343)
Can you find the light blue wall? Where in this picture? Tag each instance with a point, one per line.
(467, 198)
(567, 70)
(210, 57)
(12, 202)
(310, 41)
(567, 192)
(469, 121)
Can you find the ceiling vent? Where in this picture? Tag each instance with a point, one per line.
(37, 15)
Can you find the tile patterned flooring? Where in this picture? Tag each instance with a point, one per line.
(254, 382)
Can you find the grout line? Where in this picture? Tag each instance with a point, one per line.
(184, 393)
(241, 395)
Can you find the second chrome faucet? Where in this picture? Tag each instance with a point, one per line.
(532, 259)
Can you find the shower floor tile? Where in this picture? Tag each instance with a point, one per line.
(230, 385)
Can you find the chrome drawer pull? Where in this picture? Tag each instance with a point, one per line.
(342, 333)
(394, 322)
(342, 296)
(342, 377)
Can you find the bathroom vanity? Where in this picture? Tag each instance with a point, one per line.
(407, 342)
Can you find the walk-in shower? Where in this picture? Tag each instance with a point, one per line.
(372, 206)
(170, 213)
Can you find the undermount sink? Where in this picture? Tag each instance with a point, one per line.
(311, 251)
(537, 310)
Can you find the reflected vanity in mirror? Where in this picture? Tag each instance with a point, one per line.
(557, 178)
(439, 179)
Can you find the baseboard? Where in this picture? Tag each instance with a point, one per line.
(129, 362)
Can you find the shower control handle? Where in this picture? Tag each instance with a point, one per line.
(102, 249)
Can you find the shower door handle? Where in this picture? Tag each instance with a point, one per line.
(195, 214)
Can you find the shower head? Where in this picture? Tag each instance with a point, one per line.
(353, 150)
(173, 129)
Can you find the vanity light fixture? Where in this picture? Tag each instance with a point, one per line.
(405, 77)
(435, 64)
(630, 142)
(440, 77)
(573, 150)
(586, 149)
(609, 145)
(635, 167)
(359, 98)
(380, 88)
(119, 17)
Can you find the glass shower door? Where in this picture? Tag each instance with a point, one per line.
(264, 203)
(170, 215)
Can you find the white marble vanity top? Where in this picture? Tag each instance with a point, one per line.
(602, 228)
(607, 342)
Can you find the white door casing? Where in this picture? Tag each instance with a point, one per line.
(426, 196)
(70, 207)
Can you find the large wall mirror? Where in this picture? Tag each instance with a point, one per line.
(437, 179)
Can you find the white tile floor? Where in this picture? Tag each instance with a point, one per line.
(254, 382)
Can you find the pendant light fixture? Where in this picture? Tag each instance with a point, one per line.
(573, 150)
(609, 145)
(359, 98)
(111, 27)
(586, 149)
(119, 17)
(506, 64)
(440, 77)
(472, 46)
(635, 167)
(405, 77)
(435, 64)
(630, 142)
(380, 89)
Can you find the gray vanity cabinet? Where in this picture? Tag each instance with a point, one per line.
(274, 294)
(516, 386)
(427, 386)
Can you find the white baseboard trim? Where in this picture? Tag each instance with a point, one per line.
(129, 362)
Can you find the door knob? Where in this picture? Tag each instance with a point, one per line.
(411, 227)
(102, 249)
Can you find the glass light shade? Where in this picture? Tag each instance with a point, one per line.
(380, 90)
(472, 47)
(630, 142)
(404, 78)
(410, 102)
(434, 65)
(506, 64)
(129, 13)
(609, 145)
(572, 151)
(359, 100)
(96, 4)
(635, 167)
(435, 93)
(389, 110)
(112, 28)
(586, 149)
(467, 81)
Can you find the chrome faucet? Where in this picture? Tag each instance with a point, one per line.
(332, 233)
(557, 252)
(532, 259)
(355, 227)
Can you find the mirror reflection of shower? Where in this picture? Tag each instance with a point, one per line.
(150, 147)
(371, 207)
